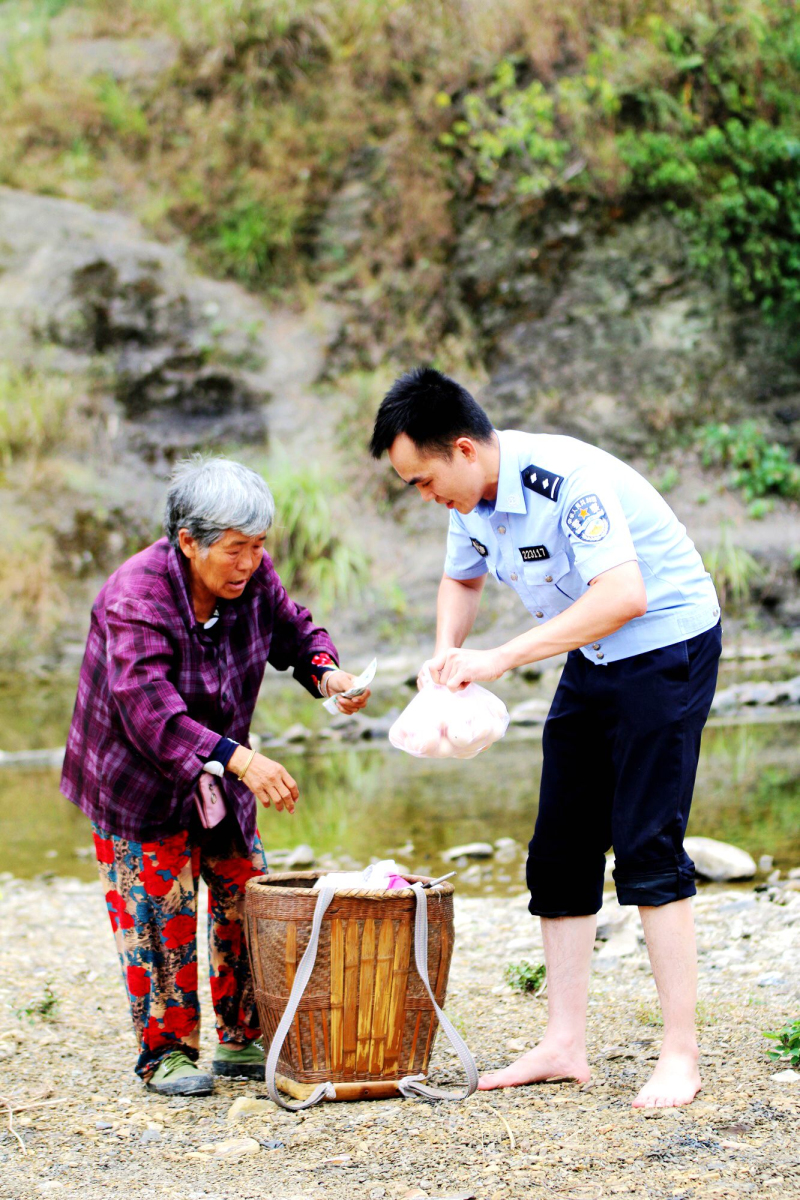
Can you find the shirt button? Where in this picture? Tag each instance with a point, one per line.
(501, 528)
(601, 655)
(540, 614)
(597, 645)
(548, 578)
(513, 576)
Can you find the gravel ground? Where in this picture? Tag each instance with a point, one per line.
(92, 1131)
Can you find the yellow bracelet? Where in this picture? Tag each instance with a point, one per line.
(247, 766)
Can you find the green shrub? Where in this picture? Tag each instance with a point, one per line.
(735, 190)
(251, 240)
(788, 1044)
(760, 467)
(510, 125)
(526, 977)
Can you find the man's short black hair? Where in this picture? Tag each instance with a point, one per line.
(432, 410)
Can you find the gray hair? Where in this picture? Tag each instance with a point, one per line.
(207, 496)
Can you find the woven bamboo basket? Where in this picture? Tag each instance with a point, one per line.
(365, 1020)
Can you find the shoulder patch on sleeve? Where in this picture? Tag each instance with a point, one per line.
(545, 483)
(588, 520)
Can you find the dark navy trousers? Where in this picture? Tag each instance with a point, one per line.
(621, 746)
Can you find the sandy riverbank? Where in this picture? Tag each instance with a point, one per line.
(104, 1136)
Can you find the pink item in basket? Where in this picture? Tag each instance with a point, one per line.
(396, 881)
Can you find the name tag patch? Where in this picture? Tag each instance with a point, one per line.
(533, 553)
(479, 546)
(588, 520)
(545, 483)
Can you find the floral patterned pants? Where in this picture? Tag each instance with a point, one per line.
(151, 893)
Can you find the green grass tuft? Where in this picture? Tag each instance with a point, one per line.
(526, 977)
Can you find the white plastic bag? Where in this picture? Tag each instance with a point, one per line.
(439, 723)
(382, 876)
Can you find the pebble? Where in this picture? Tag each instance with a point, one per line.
(530, 712)
(787, 1076)
(470, 850)
(302, 856)
(771, 979)
(246, 1106)
(232, 1148)
(297, 733)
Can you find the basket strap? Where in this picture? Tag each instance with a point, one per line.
(324, 1091)
(412, 1085)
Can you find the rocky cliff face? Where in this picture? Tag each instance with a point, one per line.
(599, 330)
(603, 331)
(178, 353)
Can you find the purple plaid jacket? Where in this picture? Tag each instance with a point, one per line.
(157, 691)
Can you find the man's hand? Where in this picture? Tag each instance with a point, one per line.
(340, 681)
(269, 782)
(456, 668)
(426, 672)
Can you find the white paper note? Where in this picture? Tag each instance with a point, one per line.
(360, 685)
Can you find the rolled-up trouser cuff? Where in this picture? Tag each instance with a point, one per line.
(565, 889)
(653, 888)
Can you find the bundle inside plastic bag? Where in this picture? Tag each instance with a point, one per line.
(439, 723)
(382, 876)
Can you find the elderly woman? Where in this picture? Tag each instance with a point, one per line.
(179, 640)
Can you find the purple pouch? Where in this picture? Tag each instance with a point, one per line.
(209, 801)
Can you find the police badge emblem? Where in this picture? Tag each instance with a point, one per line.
(588, 520)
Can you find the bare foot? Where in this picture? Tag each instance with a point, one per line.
(545, 1061)
(675, 1081)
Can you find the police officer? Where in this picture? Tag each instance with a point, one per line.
(610, 577)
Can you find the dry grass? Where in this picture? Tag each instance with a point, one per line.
(39, 411)
(34, 603)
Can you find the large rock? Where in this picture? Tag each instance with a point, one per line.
(718, 861)
(94, 291)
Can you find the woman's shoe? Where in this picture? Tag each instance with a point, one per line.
(177, 1075)
(249, 1061)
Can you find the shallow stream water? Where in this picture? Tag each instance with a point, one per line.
(368, 799)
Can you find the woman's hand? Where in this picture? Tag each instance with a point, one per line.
(340, 681)
(269, 782)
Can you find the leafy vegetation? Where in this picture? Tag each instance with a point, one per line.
(787, 1049)
(409, 110)
(760, 467)
(526, 977)
(45, 1008)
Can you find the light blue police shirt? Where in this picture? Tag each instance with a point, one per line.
(567, 511)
